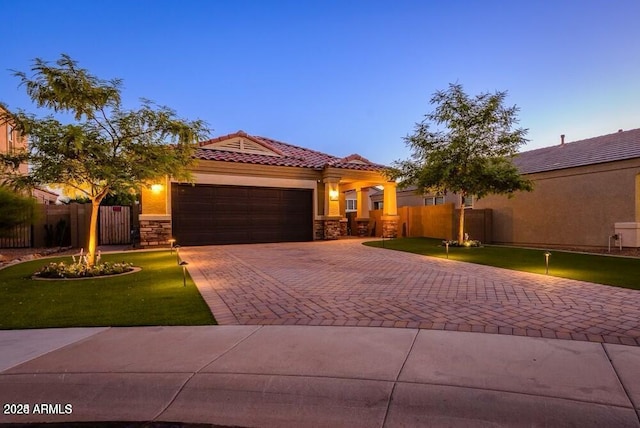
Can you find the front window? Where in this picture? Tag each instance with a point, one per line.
(352, 205)
(468, 201)
(9, 138)
(377, 205)
(434, 200)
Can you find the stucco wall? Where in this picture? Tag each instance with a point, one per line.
(576, 206)
(154, 201)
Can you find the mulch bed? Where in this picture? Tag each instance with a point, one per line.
(12, 255)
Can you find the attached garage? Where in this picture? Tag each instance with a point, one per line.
(206, 214)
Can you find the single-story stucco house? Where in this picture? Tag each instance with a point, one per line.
(251, 189)
(585, 192)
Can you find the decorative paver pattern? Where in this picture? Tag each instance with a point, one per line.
(346, 283)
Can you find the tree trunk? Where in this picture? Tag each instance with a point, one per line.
(93, 233)
(461, 221)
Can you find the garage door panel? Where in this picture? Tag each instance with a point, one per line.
(212, 214)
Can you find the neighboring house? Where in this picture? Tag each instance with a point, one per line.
(11, 141)
(409, 197)
(585, 192)
(254, 189)
(45, 196)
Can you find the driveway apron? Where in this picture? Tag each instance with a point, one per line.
(344, 283)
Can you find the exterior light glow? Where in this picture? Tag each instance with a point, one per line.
(333, 195)
(157, 188)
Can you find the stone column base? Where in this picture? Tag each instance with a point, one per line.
(155, 230)
(362, 225)
(332, 228)
(344, 227)
(318, 229)
(390, 226)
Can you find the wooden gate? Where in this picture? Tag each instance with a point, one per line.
(20, 237)
(115, 225)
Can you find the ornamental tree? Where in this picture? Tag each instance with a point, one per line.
(465, 145)
(103, 148)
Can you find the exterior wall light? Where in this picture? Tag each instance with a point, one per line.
(157, 188)
(333, 195)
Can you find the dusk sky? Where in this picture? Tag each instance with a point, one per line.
(344, 76)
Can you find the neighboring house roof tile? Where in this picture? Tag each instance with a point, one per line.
(606, 148)
(289, 155)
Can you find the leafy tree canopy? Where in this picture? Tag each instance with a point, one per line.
(465, 145)
(106, 148)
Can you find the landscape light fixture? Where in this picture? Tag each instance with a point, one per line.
(177, 247)
(171, 241)
(547, 254)
(446, 245)
(184, 273)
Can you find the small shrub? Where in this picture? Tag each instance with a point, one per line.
(465, 243)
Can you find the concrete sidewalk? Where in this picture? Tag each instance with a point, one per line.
(279, 376)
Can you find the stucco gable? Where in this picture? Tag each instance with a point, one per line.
(241, 142)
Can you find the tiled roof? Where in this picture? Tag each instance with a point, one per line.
(607, 148)
(288, 155)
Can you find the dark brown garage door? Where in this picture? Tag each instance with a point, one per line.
(211, 214)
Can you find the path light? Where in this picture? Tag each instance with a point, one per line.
(171, 242)
(546, 260)
(446, 245)
(184, 273)
(177, 247)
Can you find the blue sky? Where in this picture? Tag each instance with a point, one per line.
(344, 76)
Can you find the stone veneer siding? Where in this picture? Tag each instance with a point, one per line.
(154, 233)
(363, 227)
(344, 227)
(318, 229)
(390, 228)
(332, 228)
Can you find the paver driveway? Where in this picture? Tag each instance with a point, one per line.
(346, 283)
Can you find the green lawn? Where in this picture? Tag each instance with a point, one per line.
(622, 272)
(153, 296)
